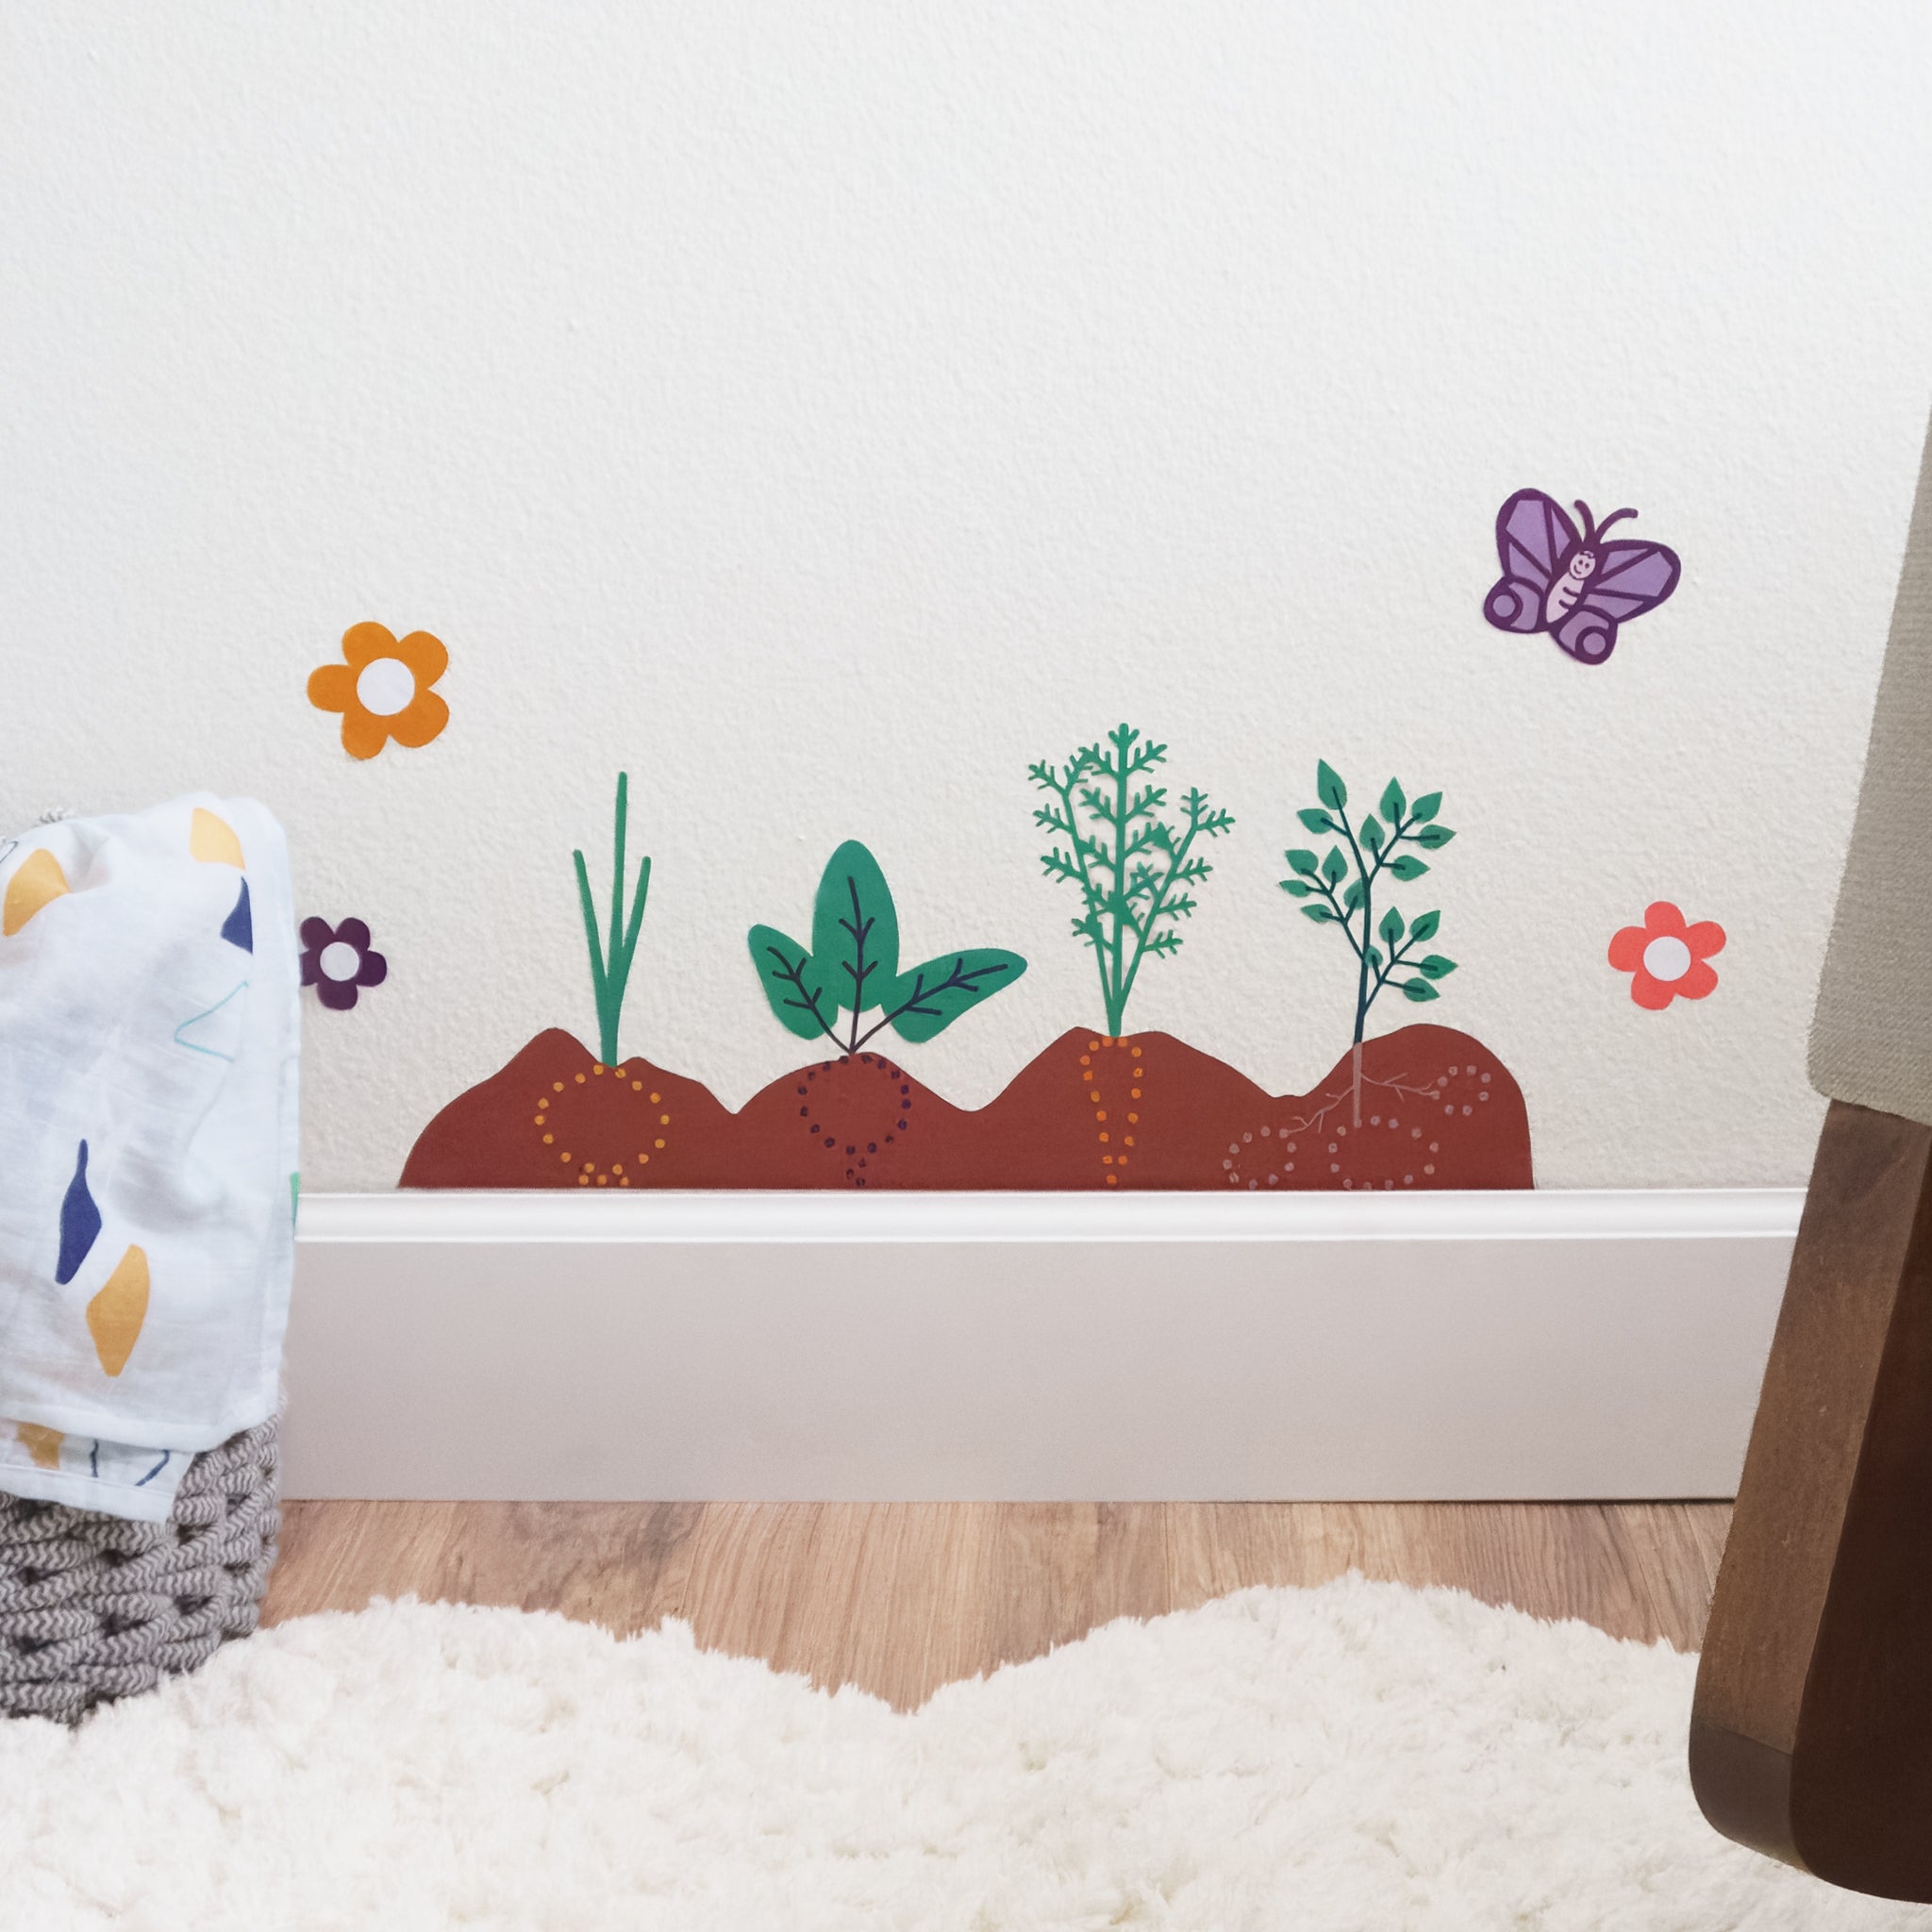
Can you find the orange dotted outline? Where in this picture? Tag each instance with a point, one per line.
(589, 1170)
(1087, 1078)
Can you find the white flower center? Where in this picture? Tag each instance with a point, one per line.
(339, 959)
(385, 686)
(1666, 958)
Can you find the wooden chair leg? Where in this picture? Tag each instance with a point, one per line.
(1811, 1735)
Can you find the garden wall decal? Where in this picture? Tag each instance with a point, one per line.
(1100, 1107)
(1568, 581)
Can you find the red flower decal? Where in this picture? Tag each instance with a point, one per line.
(1669, 958)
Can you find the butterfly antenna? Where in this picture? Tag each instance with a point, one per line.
(1615, 517)
(1582, 510)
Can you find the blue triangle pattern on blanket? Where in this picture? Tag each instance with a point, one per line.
(239, 928)
(80, 1223)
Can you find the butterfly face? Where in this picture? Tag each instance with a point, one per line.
(1570, 582)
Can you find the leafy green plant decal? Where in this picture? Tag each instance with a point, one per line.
(852, 966)
(610, 969)
(1134, 866)
(1341, 889)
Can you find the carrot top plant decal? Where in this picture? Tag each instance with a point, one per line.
(1134, 866)
(611, 968)
(1339, 888)
(852, 965)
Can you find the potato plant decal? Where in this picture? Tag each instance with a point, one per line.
(1342, 889)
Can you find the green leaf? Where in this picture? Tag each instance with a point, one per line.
(1356, 893)
(855, 929)
(1436, 966)
(1418, 990)
(1392, 928)
(1424, 930)
(929, 998)
(791, 981)
(1297, 889)
(1301, 861)
(1393, 802)
(1433, 836)
(1374, 958)
(1406, 865)
(1320, 914)
(1426, 806)
(1335, 867)
(1316, 821)
(1371, 833)
(1330, 788)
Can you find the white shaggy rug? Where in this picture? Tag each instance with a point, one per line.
(1355, 1759)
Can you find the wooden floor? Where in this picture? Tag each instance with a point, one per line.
(900, 1598)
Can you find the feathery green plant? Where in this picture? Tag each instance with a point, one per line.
(1134, 869)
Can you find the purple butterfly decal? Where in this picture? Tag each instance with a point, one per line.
(1571, 583)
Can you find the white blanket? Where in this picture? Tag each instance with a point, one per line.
(149, 1016)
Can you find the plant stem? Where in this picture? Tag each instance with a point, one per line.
(1088, 891)
(1363, 994)
(1117, 995)
(606, 1020)
(1176, 860)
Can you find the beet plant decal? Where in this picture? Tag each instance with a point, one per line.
(610, 967)
(1342, 888)
(852, 966)
(1134, 866)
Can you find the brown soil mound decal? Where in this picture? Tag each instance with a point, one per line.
(1093, 1111)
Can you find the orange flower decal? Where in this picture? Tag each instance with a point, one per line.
(382, 688)
(1669, 958)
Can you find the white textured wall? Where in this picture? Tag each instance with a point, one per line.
(823, 410)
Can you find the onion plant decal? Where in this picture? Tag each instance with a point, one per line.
(610, 964)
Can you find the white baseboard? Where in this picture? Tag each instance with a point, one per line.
(1031, 1346)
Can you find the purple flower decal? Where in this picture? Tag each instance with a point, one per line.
(338, 961)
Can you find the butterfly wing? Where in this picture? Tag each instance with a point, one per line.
(1629, 579)
(1589, 636)
(1534, 539)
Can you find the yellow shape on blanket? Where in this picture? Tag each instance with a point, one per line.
(38, 881)
(214, 840)
(42, 1444)
(115, 1315)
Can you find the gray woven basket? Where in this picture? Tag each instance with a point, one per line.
(92, 1607)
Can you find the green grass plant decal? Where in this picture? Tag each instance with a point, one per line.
(1339, 888)
(852, 965)
(1135, 863)
(610, 967)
